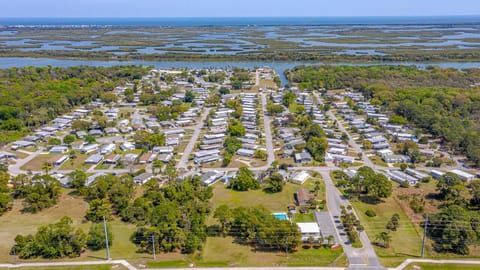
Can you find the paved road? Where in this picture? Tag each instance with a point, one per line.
(15, 168)
(191, 144)
(363, 257)
(268, 132)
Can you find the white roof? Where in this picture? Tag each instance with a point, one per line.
(462, 173)
(308, 227)
(301, 176)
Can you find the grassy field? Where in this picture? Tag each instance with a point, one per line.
(36, 163)
(225, 252)
(378, 161)
(406, 241)
(275, 202)
(15, 222)
(77, 163)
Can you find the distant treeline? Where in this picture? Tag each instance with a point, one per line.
(413, 55)
(443, 102)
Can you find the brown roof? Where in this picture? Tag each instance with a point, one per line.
(145, 157)
(303, 195)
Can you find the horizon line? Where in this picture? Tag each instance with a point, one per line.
(239, 17)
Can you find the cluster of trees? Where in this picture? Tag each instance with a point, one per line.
(231, 145)
(6, 201)
(32, 96)
(364, 77)
(455, 227)
(316, 141)
(174, 216)
(274, 109)
(236, 105)
(235, 128)
(257, 226)
(351, 224)
(39, 192)
(165, 113)
(244, 181)
(59, 240)
(366, 181)
(52, 241)
(108, 195)
(148, 140)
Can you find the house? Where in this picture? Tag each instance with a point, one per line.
(96, 132)
(89, 148)
(147, 158)
(22, 144)
(300, 177)
(210, 177)
(303, 157)
(165, 157)
(463, 175)
(396, 159)
(302, 196)
(94, 159)
(245, 152)
(112, 159)
(58, 160)
(77, 145)
(127, 146)
(6, 155)
(107, 148)
(58, 150)
(401, 177)
(436, 174)
(308, 230)
(162, 149)
(143, 178)
(92, 178)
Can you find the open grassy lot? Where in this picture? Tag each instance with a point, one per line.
(36, 163)
(275, 202)
(406, 241)
(225, 252)
(15, 222)
(77, 163)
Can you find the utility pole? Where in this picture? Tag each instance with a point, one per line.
(153, 247)
(424, 235)
(106, 238)
(286, 246)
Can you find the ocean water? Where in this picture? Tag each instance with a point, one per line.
(232, 21)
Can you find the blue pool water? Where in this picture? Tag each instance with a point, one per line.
(280, 216)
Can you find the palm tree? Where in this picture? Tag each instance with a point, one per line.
(330, 239)
(156, 166)
(47, 166)
(384, 237)
(317, 187)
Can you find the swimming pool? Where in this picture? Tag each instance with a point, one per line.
(281, 216)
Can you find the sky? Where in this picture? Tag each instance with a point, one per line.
(235, 8)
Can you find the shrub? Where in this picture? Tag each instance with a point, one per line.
(370, 213)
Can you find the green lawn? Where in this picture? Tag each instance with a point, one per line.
(303, 217)
(406, 241)
(15, 222)
(378, 161)
(275, 202)
(225, 252)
